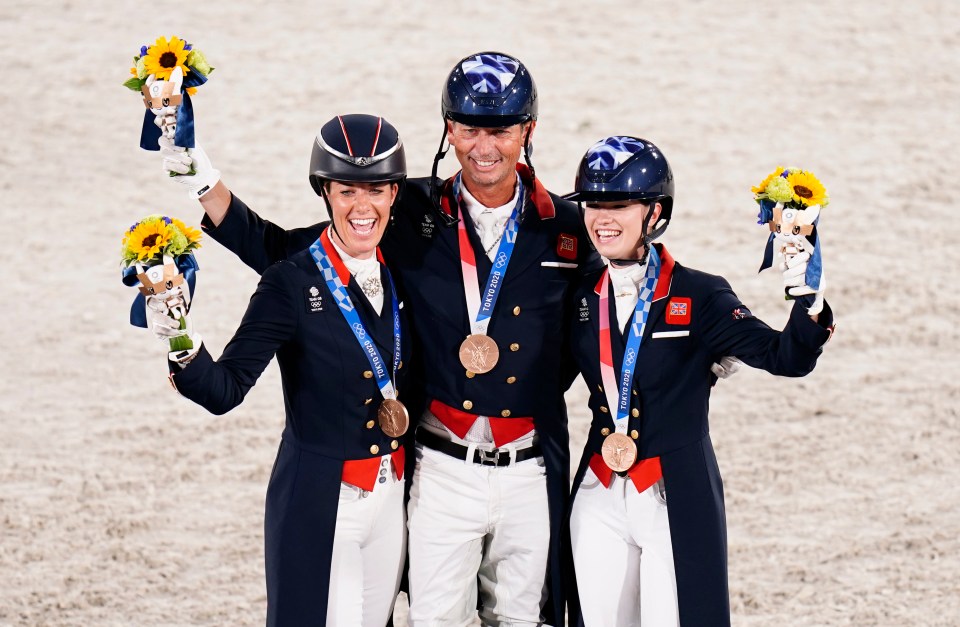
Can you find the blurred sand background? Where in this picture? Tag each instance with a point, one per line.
(123, 504)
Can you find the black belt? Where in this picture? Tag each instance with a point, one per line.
(496, 457)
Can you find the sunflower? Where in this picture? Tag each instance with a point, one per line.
(807, 190)
(763, 186)
(165, 55)
(193, 235)
(147, 239)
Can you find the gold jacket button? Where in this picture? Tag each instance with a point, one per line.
(368, 401)
(600, 387)
(511, 379)
(604, 409)
(634, 392)
(368, 374)
(604, 432)
(468, 404)
(635, 412)
(505, 413)
(370, 424)
(399, 364)
(516, 310)
(514, 347)
(374, 449)
(634, 434)
(471, 375)
(394, 444)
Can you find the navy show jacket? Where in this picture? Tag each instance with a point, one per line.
(330, 401)
(695, 319)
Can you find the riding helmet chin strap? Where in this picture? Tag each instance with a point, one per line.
(645, 241)
(527, 150)
(326, 201)
(436, 189)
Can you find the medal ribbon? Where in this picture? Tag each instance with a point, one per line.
(468, 264)
(337, 277)
(613, 388)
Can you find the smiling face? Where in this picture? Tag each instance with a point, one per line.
(615, 228)
(489, 158)
(361, 212)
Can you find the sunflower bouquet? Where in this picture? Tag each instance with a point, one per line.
(167, 74)
(790, 201)
(157, 253)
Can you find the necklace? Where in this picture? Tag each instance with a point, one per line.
(495, 242)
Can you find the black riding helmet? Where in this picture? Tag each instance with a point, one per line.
(357, 148)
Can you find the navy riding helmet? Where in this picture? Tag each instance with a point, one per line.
(357, 148)
(626, 168)
(488, 90)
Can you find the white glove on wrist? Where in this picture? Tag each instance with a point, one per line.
(163, 313)
(184, 357)
(727, 367)
(189, 168)
(794, 269)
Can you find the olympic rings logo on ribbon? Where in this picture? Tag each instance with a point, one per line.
(359, 330)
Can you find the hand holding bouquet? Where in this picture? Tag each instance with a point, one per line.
(790, 201)
(157, 253)
(168, 74)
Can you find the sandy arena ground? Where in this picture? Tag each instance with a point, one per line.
(123, 504)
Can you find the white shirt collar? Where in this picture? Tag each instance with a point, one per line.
(475, 207)
(360, 268)
(628, 278)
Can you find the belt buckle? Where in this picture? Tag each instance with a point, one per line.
(488, 458)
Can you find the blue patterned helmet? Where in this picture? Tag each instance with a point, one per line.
(489, 89)
(622, 167)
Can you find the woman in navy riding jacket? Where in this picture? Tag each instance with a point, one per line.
(335, 527)
(647, 518)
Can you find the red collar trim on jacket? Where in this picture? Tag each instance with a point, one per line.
(666, 274)
(539, 195)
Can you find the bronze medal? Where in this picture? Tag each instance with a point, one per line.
(393, 417)
(479, 353)
(619, 452)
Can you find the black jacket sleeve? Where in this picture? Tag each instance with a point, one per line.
(259, 243)
(729, 328)
(270, 321)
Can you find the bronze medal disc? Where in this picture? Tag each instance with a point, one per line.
(393, 417)
(619, 452)
(479, 353)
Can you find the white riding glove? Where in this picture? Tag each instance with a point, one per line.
(178, 163)
(727, 367)
(163, 318)
(794, 268)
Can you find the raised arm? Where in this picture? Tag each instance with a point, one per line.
(258, 242)
(270, 321)
(729, 328)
